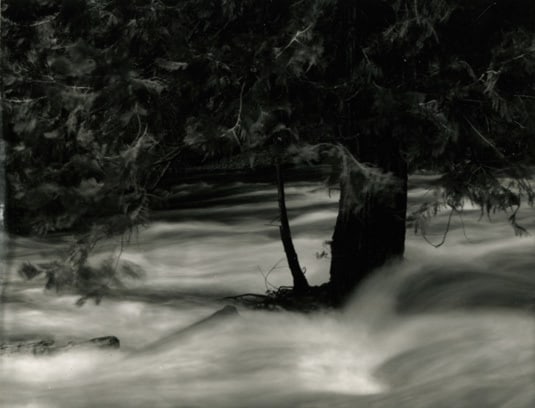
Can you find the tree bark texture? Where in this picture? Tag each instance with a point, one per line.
(371, 232)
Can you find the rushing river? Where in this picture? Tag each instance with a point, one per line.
(450, 327)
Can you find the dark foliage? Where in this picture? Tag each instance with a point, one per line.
(102, 97)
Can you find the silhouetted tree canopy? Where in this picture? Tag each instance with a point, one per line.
(102, 97)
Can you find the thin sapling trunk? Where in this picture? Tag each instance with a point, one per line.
(299, 280)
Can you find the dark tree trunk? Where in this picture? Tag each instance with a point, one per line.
(369, 233)
(300, 284)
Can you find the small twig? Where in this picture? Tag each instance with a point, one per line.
(525, 96)
(416, 13)
(138, 121)
(519, 229)
(266, 275)
(36, 24)
(244, 295)
(234, 130)
(192, 32)
(460, 214)
(485, 11)
(118, 258)
(295, 39)
(26, 100)
(487, 141)
(267, 284)
(445, 232)
(353, 96)
(270, 224)
(44, 21)
(169, 157)
(162, 173)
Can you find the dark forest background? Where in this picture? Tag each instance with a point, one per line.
(109, 103)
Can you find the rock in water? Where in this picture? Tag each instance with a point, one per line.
(105, 342)
(36, 347)
(48, 346)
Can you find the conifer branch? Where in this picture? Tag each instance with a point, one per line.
(482, 137)
(295, 39)
(236, 129)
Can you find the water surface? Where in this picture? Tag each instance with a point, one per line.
(449, 327)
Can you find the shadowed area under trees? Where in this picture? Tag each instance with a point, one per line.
(104, 99)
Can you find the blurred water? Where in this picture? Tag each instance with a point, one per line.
(450, 327)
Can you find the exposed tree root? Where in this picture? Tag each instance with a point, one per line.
(285, 298)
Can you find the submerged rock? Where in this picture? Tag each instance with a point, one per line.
(105, 342)
(36, 347)
(49, 346)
